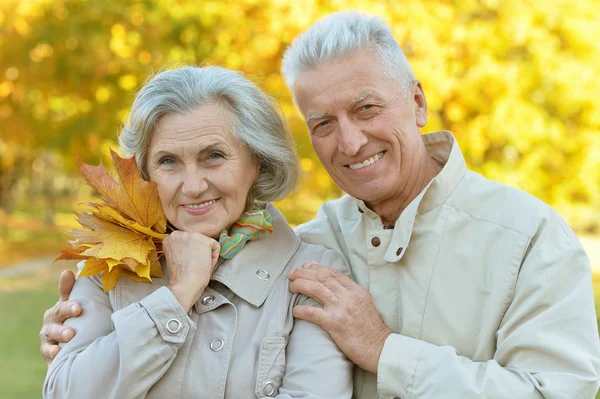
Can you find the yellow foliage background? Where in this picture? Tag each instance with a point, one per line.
(515, 80)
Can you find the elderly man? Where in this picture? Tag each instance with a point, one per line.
(463, 287)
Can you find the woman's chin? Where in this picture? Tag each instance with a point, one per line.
(209, 231)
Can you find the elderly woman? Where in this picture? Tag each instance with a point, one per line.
(217, 149)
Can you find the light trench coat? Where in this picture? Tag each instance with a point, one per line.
(240, 339)
(487, 290)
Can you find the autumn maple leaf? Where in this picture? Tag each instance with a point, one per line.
(122, 235)
(131, 194)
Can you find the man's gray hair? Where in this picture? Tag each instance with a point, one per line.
(346, 33)
(255, 117)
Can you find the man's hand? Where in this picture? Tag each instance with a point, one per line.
(349, 314)
(53, 330)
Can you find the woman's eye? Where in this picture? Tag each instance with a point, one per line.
(216, 155)
(166, 161)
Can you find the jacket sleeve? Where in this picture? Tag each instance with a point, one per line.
(117, 354)
(547, 343)
(315, 367)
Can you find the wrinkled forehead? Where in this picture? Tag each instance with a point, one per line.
(213, 117)
(342, 83)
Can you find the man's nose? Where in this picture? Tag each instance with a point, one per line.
(194, 182)
(351, 137)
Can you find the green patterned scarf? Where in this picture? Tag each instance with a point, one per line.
(254, 224)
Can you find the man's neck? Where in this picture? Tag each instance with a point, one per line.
(390, 210)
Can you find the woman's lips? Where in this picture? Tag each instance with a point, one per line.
(200, 208)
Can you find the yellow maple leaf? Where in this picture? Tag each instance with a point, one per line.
(92, 267)
(143, 270)
(117, 242)
(155, 266)
(131, 194)
(122, 235)
(107, 212)
(91, 251)
(110, 278)
(72, 253)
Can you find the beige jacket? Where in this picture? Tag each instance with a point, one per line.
(487, 289)
(240, 339)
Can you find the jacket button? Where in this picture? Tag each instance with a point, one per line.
(263, 274)
(216, 344)
(269, 388)
(173, 326)
(207, 300)
(399, 251)
(375, 241)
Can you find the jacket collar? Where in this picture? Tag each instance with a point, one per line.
(254, 271)
(442, 146)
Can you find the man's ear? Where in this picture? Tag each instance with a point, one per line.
(420, 104)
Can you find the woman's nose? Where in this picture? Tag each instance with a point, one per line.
(194, 182)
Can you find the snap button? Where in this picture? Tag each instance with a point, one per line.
(375, 241)
(207, 300)
(171, 329)
(216, 344)
(269, 388)
(263, 274)
(399, 251)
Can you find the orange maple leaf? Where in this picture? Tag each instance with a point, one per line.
(122, 235)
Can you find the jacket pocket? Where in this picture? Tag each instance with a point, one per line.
(271, 367)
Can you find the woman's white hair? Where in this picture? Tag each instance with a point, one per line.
(255, 118)
(346, 33)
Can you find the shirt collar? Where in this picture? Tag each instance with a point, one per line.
(442, 146)
(254, 271)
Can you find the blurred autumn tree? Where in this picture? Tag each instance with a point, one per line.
(515, 80)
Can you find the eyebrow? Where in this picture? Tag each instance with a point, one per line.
(209, 148)
(317, 116)
(160, 153)
(358, 99)
(351, 104)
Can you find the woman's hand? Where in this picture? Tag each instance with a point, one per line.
(191, 259)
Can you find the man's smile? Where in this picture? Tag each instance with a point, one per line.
(367, 162)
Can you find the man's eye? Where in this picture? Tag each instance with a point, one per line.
(366, 107)
(321, 124)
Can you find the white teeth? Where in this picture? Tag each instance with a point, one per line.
(202, 205)
(366, 162)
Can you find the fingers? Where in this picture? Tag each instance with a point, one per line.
(67, 279)
(311, 313)
(49, 351)
(50, 336)
(55, 333)
(62, 311)
(316, 290)
(321, 283)
(332, 278)
(328, 272)
(215, 252)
